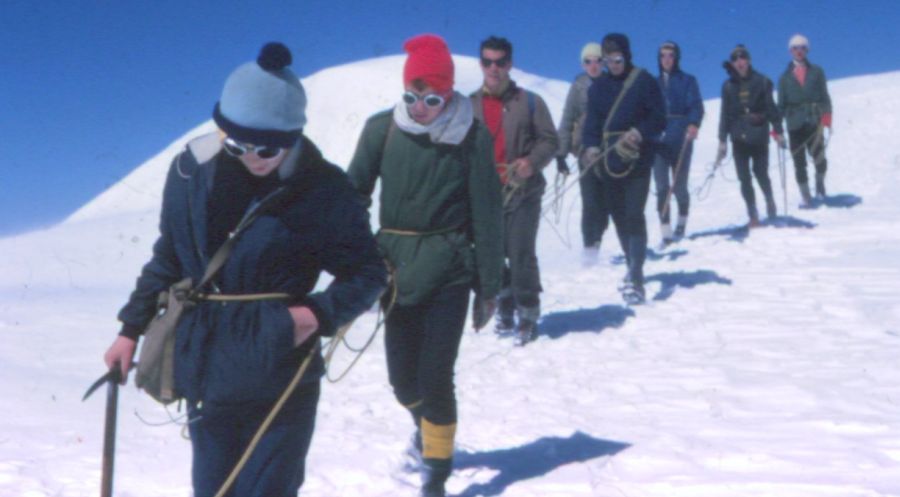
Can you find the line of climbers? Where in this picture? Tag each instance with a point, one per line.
(460, 203)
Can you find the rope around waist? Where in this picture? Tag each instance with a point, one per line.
(241, 297)
(393, 231)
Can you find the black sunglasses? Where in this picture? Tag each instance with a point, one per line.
(588, 62)
(501, 62)
(237, 149)
(430, 100)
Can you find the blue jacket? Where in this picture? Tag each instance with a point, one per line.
(241, 353)
(642, 108)
(684, 106)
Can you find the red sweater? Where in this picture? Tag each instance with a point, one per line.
(493, 119)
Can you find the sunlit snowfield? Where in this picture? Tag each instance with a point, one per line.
(764, 364)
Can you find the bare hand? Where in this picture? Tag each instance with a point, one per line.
(522, 168)
(691, 133)
(633, 137)
(121, 352)
(305, 323)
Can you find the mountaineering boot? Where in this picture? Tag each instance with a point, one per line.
(505, 317)
(526, 331)
(820, 186)
(680, 228)
(435, 473)
(437, 449)
(633, 293)
(504, 323)
(805, 197)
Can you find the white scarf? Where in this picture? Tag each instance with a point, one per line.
(450, 126)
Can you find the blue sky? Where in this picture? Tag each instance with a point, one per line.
(90, 90)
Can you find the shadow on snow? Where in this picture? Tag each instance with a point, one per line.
(557, 324)
(671, 281)
(669, 253)
(532, 460)
(738, 233)
(840, 201)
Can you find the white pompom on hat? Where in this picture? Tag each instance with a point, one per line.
(798, 40)
(263, 102)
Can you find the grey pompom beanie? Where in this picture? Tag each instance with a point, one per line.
(263, 102)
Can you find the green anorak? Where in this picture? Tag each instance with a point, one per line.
(440, 207)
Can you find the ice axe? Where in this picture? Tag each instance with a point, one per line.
(112, 379)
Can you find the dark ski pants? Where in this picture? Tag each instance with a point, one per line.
(803, 140)
(276, 468)
(759, 154)
(627, 198)
(664, 165)
(521, 275)
(421, 343)
(594, 211)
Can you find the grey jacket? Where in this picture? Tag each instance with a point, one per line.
(527, 128)
(572, 122)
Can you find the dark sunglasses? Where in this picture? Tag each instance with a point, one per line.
(740, 56)
(614, 60)
(430, 100)
(501, 62)
(238, 149)
(589, 62)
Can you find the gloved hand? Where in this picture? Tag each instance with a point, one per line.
(722, 152)
(482, 311)
(561, 166)
(590, 156)
(628, 147)
(826, 120)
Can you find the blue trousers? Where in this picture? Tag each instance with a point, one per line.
(627, 198)
(219, 435)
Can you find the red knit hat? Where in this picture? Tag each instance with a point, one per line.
(429, 60)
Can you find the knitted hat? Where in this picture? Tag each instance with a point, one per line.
(739, 51)
(592, 50)
(429, 60)
(263, 102)
(798, 40)
(617, 42)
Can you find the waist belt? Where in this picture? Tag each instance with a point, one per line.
(400, 232)
(241, 297)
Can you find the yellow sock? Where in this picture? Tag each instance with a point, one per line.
(437, 440)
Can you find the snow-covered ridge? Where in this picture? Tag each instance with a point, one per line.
(765, 363)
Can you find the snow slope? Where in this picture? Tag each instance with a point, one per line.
(765, 363)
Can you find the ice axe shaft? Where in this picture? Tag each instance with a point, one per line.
(111, 379)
